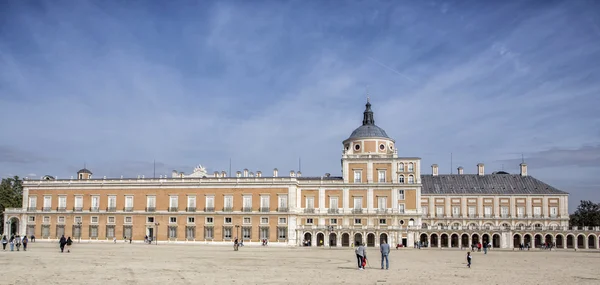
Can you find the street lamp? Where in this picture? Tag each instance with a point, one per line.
(79, 234)
(156, 234)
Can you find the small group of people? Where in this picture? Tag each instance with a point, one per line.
(361, 255)
(548, 245)
(478, 246)
(65, 242)
(147, 239)
(523, 246)
(265, 242)
(15, 241)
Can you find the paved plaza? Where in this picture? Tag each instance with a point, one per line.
(201, 264)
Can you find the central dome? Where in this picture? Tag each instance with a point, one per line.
(368, 128)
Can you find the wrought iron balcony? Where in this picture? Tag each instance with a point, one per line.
(282, 210)
(357, 211)
(227, 209)
(61, 209)
(265, 209)
(31, 209)
(381, 211)
(77, 209)
(46, 209)
(209, 209)
(190, 209)
(173, 209)
(247, 209)
(94, 209)
(309, 210)
(128, 209)
(333, 211)
(150, 209)
(111, 209)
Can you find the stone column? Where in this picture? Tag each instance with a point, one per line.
(447, 204)
(370, 199)
(513, 208)
(528, 209)
(429, 240)
(463, 205)
(480, 207)
(432, 206)
(313, 238)
(345, 200)
(322, 200)
(545, 213)
(496, 207)
(460, 241)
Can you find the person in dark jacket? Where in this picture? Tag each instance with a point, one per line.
(69, 243)
(62, 242)
(25, 241)
(4, 243)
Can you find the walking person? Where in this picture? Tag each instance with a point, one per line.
(18, 242)
(4, 243)
(25, 241)
(485, 248)
(12, 243)
(469, 259)
(361, 255)
(62, 242)
(384, 248)
(69, 243)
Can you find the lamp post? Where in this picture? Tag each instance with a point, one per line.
(156, 234)
(79, 235)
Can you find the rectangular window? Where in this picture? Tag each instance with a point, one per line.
(310, 202)
(228, 220)
(173, 220)
(247, 202)
(61, 220)
(472, 211)
(209, 233)
(401, 208)
(46, 219)
(382, 221)
(31, 219)
(227, 233)
(95, 203)
(537, 211)
(333, 203)
(173, 202)
(149, 219)
(401, 179)
(333, 221)
(32, 203)
(357, 176)
(112, 202)
(48, 202)
(228, 203)
(487, 211)
(209, 220)
(94, 231)
(283, 202)
(521, 212)
(282, 221)
(62, 202)
(309, 221)
(411, 167)
(553, 212)
(111, 220)
(172, 232)
(381, 176)
(246, 233)
(151, 202)
(128, 220)
(264, 233)
(504, 212)
(264, 220)
(381, 203)
(357, 203)
(264, 202)
(357, 221)
(110, 231)
(400, 194)
(191, 202)
(129, 202)
(281, 233)
(77, 220)
(190, 233)
(425, 210)
(455, 211)
(94, 220)
(210, 203)
(78, 203)
(247, 220)
(439, 211)
(191, 220)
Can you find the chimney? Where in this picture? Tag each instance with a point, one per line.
(298, 174)
(174, 174)
(480, 169)
(434, 169)
(223, 174)
(216, 174)
(292, 174)
(258, 174)
(460, 170)
(246, 172)
(523, 169)
(275, 172)
(251, 174)
(238, 174)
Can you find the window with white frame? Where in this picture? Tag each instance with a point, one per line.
(149, 220)
(309, 221)
(381, 203)
(439, 211)
(334, 202)
(191, 220)
(282, 221)
(31, 219)
(173, 220)
(111, 220)
(47, 202)
(264, 201)
(191, 202)
(264, 233)
(78, 203)
(425, 210)
(172, 232)
(333, 221)
(32, 202)
(61, 219)
(310, 202)
(553, 212)
(401, 178)
(128, 220)
(228, 220)
(247, 202)
(504, 211)
(94, 220)
(77, 219)
(487, 211)
(246, 233)
(472, 210)
(210, 202)
(400, 194)
(281, 233)
(537, 211)
(209, 233)
(521, 212)
(110, 231)
(381, 176)
(227, 232)
(357, 176)
(411, 179)
(129, 202)
(264, 220)
(173, 202)
(401, 208)
(62, 202)
(358, 221)
(151, 202)
(283, 201)
(411, 167)
(46, 219)
(247, 220)
(112, 202)
(209, 220)
(382, 221)
(401, 167)
(455, 211)
(357, 203)
(95, 202)
(228, 202)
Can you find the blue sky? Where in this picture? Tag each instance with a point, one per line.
(117, 84)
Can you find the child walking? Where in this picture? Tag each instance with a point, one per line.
(469, 259)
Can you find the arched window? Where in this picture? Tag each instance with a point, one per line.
(401, 179)
(411, 167)
(411, 179)
(506, 226)
(401, 167)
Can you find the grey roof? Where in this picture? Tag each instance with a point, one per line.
(368, 131)
(500, 184)
(84, 170)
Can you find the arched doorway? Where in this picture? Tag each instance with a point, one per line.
(548, 240)
(444, 239)
(423, 240)
(13, 227)
(559, 241)
(371, 240)
(465, 240)
(454, 240)
(434, 240)
(570, 241)
(358, 239)
(527, 240)
(475, 238)
(411, 222)
(517, 241)
(538, 241)
(332, 239)
(383, 238)
(345, 240)
(320, 239)
(485, 239)
(307, 239)
(580, 241)
(592, 241)
(496, 241)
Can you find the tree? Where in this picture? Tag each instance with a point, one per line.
(587, 214)
(11, 196)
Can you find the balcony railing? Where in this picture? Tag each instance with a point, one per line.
(46, 209)
(111, 209)
(333, 211)
(456, 215)
(209, 209)
(61, 209)
(150, 209)
(357, 211)
(173, 209)
(31, 209)
(309, 210)
(94, 209)
(227, 209)
(247, 209)
(265, 209)
(77, 209)
(128, 209)
(382, 211)
(487, 215)
(190, 209)
(282, 210)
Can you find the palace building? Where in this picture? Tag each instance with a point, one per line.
(380, 196)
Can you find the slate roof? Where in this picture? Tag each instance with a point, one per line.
(368, 131)
(84, 170)
(490, 184)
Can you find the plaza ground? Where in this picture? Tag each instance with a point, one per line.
(203, 264)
